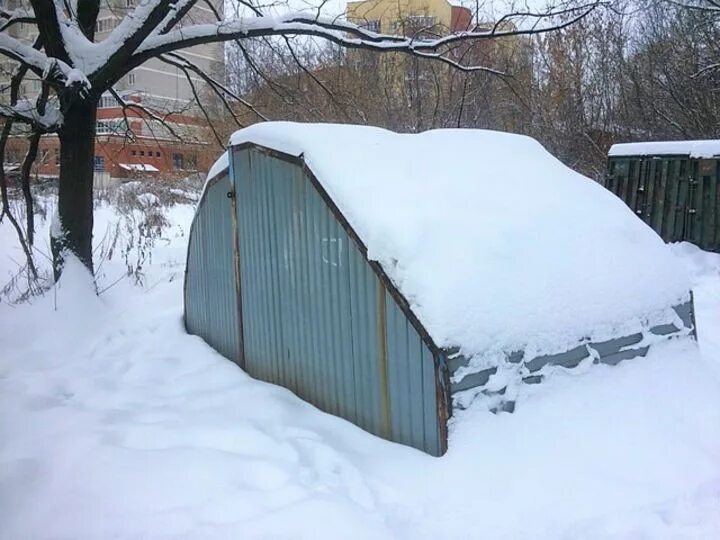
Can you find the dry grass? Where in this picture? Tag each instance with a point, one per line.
(140, 210)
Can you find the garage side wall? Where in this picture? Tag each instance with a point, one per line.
(316, 317)
(211, 299)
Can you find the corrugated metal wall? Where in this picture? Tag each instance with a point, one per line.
(677, 196)
(411, 382)
(211, 299)
(316, 317)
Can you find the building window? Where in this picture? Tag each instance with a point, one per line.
(420, 26)
(373, 26)
(142, 152)
(133, 152)
(420, 21)
(130, 3)
(157, 154)
(107, 102)
(104, 127)
(178, 161)
(99, 163)
(104, 25)
(131, 79)
(191, 162)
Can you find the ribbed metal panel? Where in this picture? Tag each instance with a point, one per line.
(211, 299)
(677, 196)
(317, 318)
(411, 382)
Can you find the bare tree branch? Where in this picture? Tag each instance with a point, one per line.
(347, 34)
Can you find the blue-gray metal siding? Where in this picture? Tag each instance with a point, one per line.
(211, 299)
(411, 382)
(316, 317)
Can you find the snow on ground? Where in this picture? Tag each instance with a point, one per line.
(114, 423)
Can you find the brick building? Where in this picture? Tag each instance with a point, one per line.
(129, 142)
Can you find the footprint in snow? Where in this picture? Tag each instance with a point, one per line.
(327, 470)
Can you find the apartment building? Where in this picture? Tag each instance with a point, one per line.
(410, 17)
(130, 143)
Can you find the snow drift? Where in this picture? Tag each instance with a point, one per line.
(120, 425)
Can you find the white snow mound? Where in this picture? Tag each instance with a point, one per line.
(494, 242)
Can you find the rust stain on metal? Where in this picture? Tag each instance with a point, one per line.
(442, 398)
(382, 365)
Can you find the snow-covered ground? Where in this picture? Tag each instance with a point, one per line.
(114, 423)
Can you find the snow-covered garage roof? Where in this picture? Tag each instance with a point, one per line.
(494, 242)
(694, 149)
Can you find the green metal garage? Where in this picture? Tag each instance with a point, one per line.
(673, 186)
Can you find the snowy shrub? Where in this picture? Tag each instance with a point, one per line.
(131, 221)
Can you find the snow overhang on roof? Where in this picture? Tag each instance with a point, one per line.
(143, 167)
(496, 245)
(693, 149)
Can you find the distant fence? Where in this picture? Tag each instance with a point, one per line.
(678, 196)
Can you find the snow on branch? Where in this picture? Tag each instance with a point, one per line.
(699, 5)
(343, 33)
(50, 69)
(125, 38)
(9, 18)
(706, 70)
(27, 112)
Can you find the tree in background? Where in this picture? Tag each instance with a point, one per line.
(643, 71)
(672, 78)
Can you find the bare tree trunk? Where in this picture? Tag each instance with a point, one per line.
(75, 196)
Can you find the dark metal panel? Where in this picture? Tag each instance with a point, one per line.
(695, 205)
(605, 348)
(682, 201)
(479, 378)
(567, 359)
(636, 169)
(708, 208)
(609, 352)
(659, 212)
(667, 199)
(714, 218)
(677, 196)
(615, 358)
(650, 180)
(686, 312)
(620, 177)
